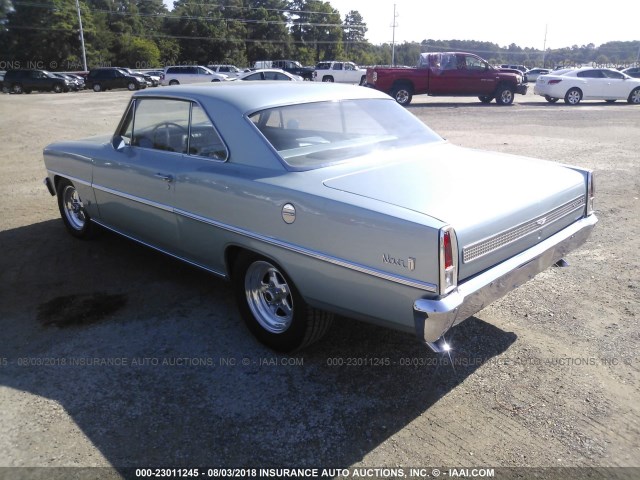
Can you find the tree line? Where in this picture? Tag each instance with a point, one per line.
(145, 34)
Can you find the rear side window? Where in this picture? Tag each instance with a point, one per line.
(591, 74)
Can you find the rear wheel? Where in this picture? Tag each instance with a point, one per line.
(634, 96)
(131, 86)
(327, 78)
(504, 95)
(72, 210)
(485, 98)
(551, 99)
(17, 88)
(573, 96)
(174, 82)
(272, 308)
(402, 94)
(57, 88)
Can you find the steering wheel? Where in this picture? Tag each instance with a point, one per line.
(167, 126)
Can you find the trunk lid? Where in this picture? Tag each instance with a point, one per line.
(499, 204)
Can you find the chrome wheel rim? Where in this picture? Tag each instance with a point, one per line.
(132, 86)
(506, 96)
(635, 96)
(269, 297)
(17, 89)
(96, 88)
(73, 208)
(573, 97)
(402, 97)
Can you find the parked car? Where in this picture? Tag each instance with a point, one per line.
(534, 73)
(108, 78)
(231, 71)
(142, 76)
(79, 78)
(632, 72)
(269, 74)
(588, 84)
(291, 66)
(74, 83)
(315, 199)
(26, 81)
(190, 74)
(341, 72)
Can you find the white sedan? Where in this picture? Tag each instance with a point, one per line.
(588, 84)
(269, 74)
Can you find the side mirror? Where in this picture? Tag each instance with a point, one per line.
(119, 142)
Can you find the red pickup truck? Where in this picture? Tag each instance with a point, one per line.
(448, 74)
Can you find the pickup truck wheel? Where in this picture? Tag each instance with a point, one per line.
(327, 78)
(402, 94)
(634, 96)
(485, 98)
(504, 95)
(550, 99)
(272, 308)
(72, 210)
(573, 96)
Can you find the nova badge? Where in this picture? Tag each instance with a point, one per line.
(408, 264)
(541, 221)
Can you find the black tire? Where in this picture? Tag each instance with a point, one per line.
(57, 88)
(327, 78)
(573, 96)
(504, 95)
(634, 96)
(403, 94)
(276, 314)
(75, 217)
(485, 98)
(174, 82)
(17, 88)
(551, 99)
(131, 86)
(97, 87)
(363, 80)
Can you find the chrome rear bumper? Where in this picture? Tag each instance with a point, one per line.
(434, 317)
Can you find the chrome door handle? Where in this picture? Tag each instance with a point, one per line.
(165, 177)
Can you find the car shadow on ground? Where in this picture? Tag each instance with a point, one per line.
(171, 377)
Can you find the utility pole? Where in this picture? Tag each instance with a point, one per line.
(544, 47)
(84, 53)
(393, 41)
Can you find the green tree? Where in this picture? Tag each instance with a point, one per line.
(268, 37)
(316, 24)
(354, 34)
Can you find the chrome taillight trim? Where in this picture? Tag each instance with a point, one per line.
(591, 193)
(491, 244)
(451, 272)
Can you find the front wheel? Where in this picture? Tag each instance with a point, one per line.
(485, 98)
(17, 88)
(272, 308)
(57, 88)
(72, 210)
(174, 82)
(634, 96)
(131, 86)
(573, 96)
(504, 95)
(327, 78)
(551, 99)
(402, 94)
(97, 87)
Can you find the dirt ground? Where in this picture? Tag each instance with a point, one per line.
(159, 371)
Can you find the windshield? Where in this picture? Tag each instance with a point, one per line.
(313, 135)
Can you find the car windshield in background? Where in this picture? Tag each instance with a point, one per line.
(314, 135)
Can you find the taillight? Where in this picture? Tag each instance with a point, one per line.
(553, 82)
(448, 260)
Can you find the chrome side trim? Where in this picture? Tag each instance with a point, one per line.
(494, 242)
(133, 198)
(428, 287)
(158, 249)
(425, 286)
(69, 177)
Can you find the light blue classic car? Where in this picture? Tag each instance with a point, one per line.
(319, 199)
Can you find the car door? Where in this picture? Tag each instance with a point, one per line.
(476, 77)
(134, 182)
(446, 77)
(592, 83)
(615, 85)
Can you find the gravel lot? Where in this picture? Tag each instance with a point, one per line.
(547, 377)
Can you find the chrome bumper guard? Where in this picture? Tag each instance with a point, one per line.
(434, 317)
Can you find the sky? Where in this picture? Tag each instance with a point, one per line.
(567, 22)
(503, 22)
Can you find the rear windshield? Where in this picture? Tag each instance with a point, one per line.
(313, 135)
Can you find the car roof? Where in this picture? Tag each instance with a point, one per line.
(249, 97)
